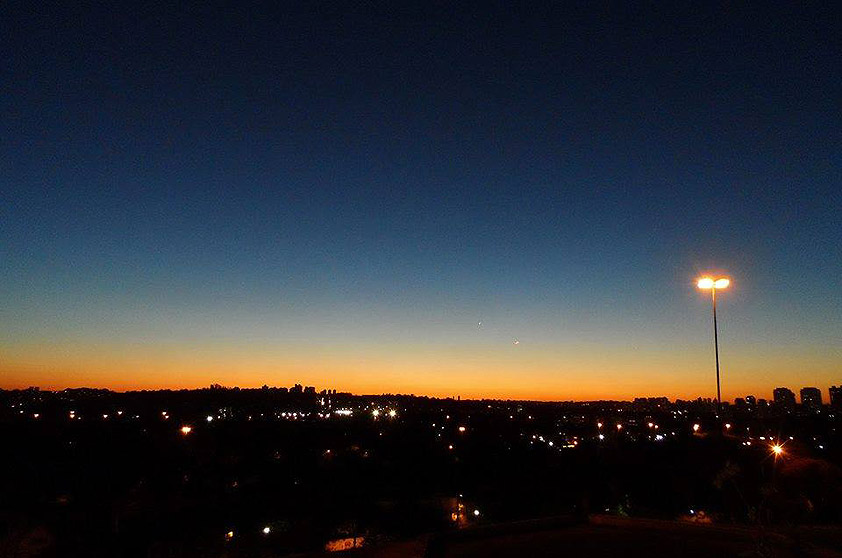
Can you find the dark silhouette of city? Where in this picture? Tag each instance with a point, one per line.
(276, 471)
(463, 243)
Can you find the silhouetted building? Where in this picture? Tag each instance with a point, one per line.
(296, 389)
(811, 399)
(784, 399)
(310, 389)
(836, 397)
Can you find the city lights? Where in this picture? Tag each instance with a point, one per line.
(186, 430)
(267, 530)
(393, 413)
(696, 427)
(777, 449)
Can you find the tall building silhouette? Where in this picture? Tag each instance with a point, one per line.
(836, 397)
(811, 399)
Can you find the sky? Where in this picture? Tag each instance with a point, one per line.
(485, 201)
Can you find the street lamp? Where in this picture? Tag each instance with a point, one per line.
(713, 284)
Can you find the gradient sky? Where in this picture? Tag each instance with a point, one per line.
(250, 194)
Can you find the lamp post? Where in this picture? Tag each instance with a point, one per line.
(714, 284)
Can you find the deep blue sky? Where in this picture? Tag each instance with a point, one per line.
(326, 176)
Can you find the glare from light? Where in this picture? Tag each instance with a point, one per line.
(267, 530)
(375, 413)
(229, 535)
(209, 418)
(599, 425)
(710, 283)
(705, 283)
(696, 427)
(777, 449)
(186, 430)
(393, 413)
(727, 426)
(476, 513)
(619, 426)
(461, 429)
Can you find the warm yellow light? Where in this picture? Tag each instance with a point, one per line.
(186, 430)
(710, 283)
(461, 429)
(375, 412)
(727, 426)
(393, 413)
(777, 449)
(599, 425)
(619, 426)
(696, 427)
(229, 535)
(705, 283)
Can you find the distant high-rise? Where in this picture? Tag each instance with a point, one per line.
(811, 399)
(784, 399)
(751, 402)
(836, 397)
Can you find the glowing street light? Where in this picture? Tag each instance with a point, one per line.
(186, 430)
(777, 449)
(709, 283)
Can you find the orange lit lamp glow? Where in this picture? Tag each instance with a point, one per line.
(709, 283)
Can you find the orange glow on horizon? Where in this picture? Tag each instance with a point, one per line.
(542, 373)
